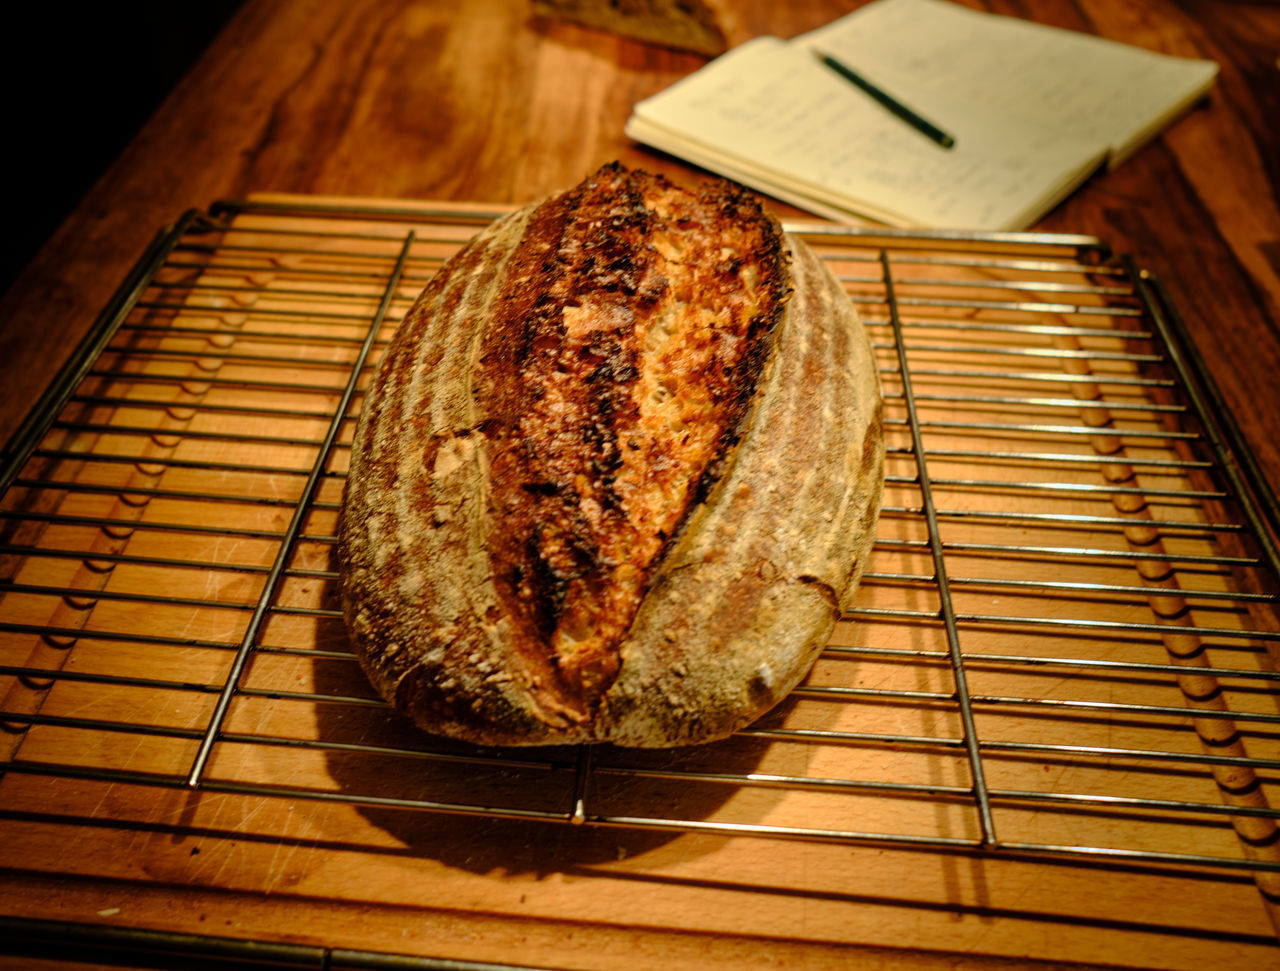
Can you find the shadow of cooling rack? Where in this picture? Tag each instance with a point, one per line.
(1063, 651)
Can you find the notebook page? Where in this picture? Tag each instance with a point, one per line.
(757, 178)
(776, 112)
(1114, 93)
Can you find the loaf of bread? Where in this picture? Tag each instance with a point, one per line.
(617, 471)
(701, 26)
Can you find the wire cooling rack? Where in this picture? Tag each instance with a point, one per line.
(1063, 650)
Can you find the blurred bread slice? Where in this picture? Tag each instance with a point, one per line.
(702, 26)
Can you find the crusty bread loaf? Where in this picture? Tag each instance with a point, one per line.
(617, 471)
(701, 26)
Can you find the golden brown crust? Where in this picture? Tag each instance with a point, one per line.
(745, 602)
(616, 368)
(541, 544)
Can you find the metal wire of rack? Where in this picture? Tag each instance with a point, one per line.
(1064, 647)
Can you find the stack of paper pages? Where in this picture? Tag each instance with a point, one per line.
(1034, 111)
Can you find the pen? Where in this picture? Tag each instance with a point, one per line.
(897, 107)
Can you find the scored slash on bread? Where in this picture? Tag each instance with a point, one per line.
(617, 470)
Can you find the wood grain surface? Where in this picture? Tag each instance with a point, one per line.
(141, 537)
(478, 101)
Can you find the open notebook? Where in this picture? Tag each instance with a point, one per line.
(1034, 110)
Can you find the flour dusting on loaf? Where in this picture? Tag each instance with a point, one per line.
(617, 470)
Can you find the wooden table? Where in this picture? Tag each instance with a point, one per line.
(478, 101)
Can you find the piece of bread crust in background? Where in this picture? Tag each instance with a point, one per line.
(617, 472)
(701, 26)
